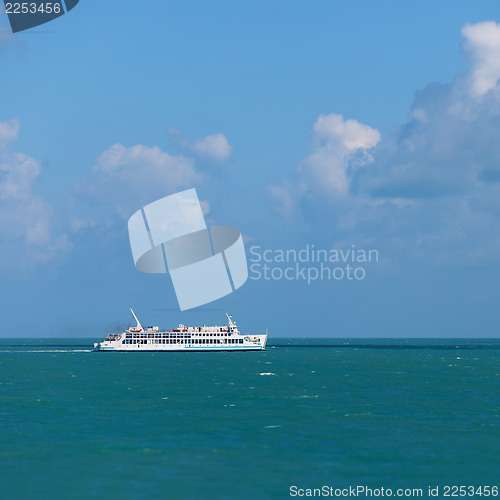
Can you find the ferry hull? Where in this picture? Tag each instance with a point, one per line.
(100, 348)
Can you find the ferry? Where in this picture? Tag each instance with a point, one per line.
(199, 338)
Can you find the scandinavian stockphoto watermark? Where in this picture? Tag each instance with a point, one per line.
(311, 263)
(205, 263)
(170, 235)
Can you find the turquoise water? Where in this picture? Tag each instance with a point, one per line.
(307, 412)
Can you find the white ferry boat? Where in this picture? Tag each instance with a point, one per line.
(200, 338)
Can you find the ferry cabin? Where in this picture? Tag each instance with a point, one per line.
(188, 336)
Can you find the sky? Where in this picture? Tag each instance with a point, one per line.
(326, 125)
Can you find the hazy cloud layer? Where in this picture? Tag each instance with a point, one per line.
(27, 235)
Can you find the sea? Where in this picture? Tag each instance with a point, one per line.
(304, 416)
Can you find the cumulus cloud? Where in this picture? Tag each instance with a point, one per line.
(338, 143)
(338, 146)
(27, 235)
(127, 178)
(482, 44)
(213, 148)
(450, 144)
(432, 184)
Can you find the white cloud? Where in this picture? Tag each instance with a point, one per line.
(27, 235)
(8, 132)
(338, 145)
(128, 178)
(77, 224)
(287, 196)
(213, 148)
(482, 44)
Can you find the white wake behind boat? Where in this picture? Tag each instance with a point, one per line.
(199, 338)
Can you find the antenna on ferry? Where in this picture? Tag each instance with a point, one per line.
(230, 320)
(139, 326)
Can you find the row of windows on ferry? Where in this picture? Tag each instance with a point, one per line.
(183, 341)
(168, 335)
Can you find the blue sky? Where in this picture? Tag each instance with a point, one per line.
(301, 123)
